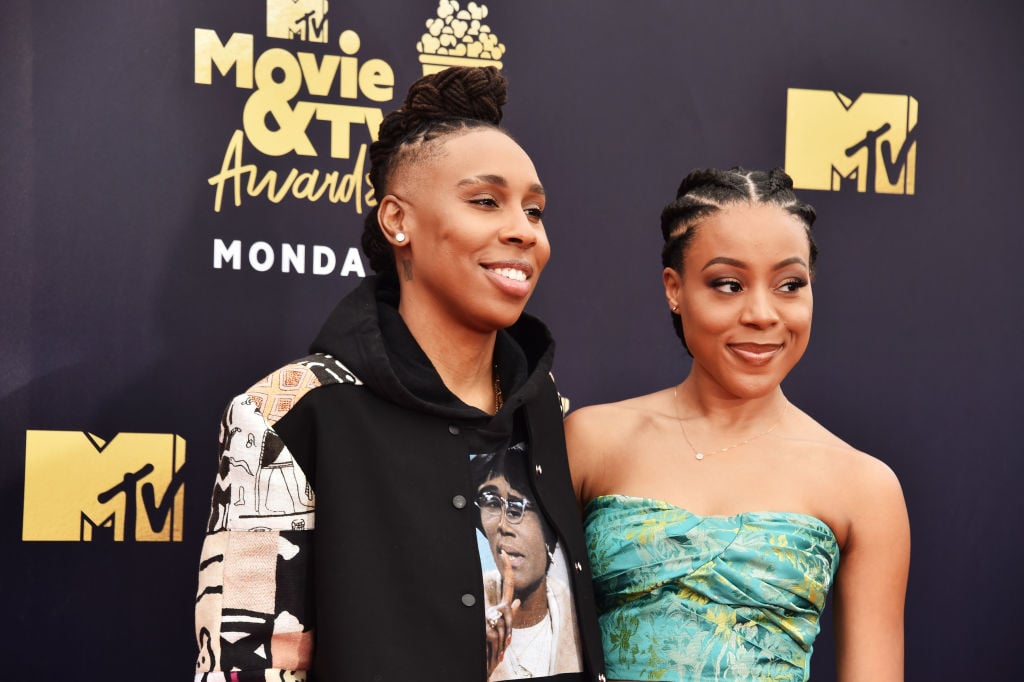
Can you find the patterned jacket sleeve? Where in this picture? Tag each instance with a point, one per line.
(253, 602)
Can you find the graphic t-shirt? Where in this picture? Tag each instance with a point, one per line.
(520, 558)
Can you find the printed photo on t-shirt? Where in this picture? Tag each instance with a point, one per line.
(521, 559)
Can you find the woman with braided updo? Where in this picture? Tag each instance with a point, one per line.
(716, 512)
(383, 553)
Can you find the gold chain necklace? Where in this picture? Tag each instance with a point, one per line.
(700, 455)
(499, 399)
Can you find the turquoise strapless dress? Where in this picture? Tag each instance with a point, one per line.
(699, 598)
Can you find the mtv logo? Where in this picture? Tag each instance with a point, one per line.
(297, 20)
(834, 141)
(80, 488)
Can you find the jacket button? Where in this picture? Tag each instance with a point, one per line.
(539, 469)
(601, 678)
(579, 567)
(468, 599)
(459, 501)
(453, 429)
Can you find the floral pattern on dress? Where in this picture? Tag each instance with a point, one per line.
(693, 598)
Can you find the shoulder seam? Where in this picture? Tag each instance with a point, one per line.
(283, 388)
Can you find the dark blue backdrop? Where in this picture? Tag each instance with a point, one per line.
(114, 318)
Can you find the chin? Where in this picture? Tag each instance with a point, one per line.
(757, 387)
(750, 387)
(491, 323)
(759, 391)
(501, 316)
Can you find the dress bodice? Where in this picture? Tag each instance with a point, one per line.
(690, 597)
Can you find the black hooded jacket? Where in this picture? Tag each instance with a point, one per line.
(389, 582)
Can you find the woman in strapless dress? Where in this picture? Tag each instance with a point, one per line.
(718, 515)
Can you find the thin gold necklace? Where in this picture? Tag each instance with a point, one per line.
(700, 455)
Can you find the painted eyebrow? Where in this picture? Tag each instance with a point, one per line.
(725, 260)
(499, 180)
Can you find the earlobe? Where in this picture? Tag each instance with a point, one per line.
(673, 288)
(390, 218)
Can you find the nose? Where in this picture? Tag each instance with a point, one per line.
(759, 310)
(504, 527)
(520, 230)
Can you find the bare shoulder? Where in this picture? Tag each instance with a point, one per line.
(870, 490)
(857, 486)
(597, 436)
(859, 471)
(607, 425)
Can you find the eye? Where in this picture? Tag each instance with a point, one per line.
(489, 501)
(516, 508)
(727, 286)
(791, 286)
(535, 214)
(490, 202)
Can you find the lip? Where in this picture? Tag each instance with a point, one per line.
(515, 559)
(508, 285)
(756, 354)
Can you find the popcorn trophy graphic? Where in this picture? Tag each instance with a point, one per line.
(457, 37)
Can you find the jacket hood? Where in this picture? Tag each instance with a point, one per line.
(366, 333)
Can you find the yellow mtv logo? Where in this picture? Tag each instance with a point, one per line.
(834, 141)
(81, 488)
(297, 20)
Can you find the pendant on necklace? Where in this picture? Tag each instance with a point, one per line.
(699, 456)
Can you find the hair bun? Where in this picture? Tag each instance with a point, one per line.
(697, 178)
(779, 180)
(477, 93)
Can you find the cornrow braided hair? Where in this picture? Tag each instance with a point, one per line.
(440, 104)
(706, 191)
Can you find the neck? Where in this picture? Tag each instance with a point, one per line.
(534, 606)
(701, 399)
(464, 358)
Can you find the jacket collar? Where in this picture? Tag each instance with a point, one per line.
(367, 334)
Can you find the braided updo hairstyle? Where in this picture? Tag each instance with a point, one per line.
(450, 101)
(704, 192)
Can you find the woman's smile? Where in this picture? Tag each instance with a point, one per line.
(756, 354)
(512, 277)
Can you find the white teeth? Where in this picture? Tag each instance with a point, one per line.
(510, 273)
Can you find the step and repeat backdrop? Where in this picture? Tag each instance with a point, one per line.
(183, 191)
